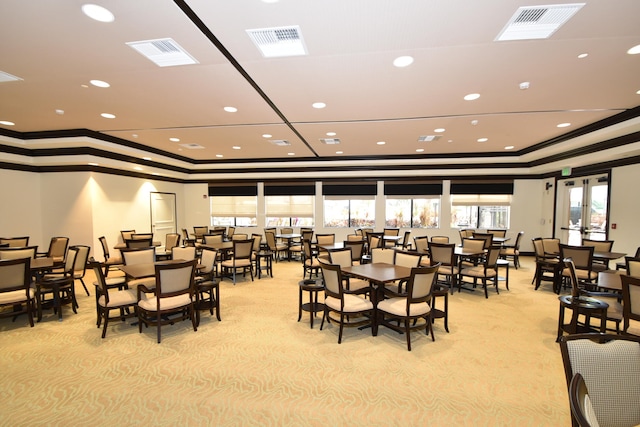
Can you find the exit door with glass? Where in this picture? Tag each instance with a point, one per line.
(582, 209)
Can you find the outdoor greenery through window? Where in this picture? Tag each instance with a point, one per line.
(339, 212)
(480, 211)
(412, 213)
(238, 211)
(289, 211)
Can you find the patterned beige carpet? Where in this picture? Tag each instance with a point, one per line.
(499, 365)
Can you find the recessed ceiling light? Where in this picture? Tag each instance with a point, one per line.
(146, 158)
(267, 135)
(174, 139)
(236, 147)
(403, 61)
(84, 86)
(99, 83)
(318, 105)
(474, 122)
(331, 134)
(291, 154)
(59, 112)
(583, 55)
(634, 50)
(135, 135)
(92, 164)
(338, 152)
(155, 173)
(230, 109)
(98, 13)
(524, 85)
(471, 96)
(638, 92)
(509, 147)
(219, 155)
(381, 142)
(419, 150)
(439, 130)
(564, 125)
(138, 168)
(483, 139)
(108, 115)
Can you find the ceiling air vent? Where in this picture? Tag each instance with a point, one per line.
(163, 52)
(280, 142)
(330, 141)
(6, 77)
(429, 138)
(192, 146)
(537, 22)
(278, 41)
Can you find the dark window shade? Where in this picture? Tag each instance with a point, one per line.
(482, 188)
(413, 189)
(246, 190)
(349, 189)
(289, 190)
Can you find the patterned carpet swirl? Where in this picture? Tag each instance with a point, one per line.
(498, 366)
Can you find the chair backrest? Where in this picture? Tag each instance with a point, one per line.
(551, 245)
(239, 236)
(518, 238)
(407, 259)
(218, 230)
(105, 247)
(491, 257)
(138, 256)
(498, 233)
(231, 231)
(200, 230)
(15, 275)
(443, 253)
(307, 234)
(270, 237)
(173, 279)
(633, 266)
(391, 231)
(598, 245)
(80, 266)
(139, 243)
(286, 230)
(357, 249)
(341, 257)
(382, 255)
(487, 237)
(610, 366)
(58, 248)
(332, 278)
(70, 261)
(101, 282)
(580, 403)
(242, 248)
(422, 244)
(420, 284)
(406, 239)
(127, 234)
(186, 253)
(573, 277)
(208, 259)
(185, 235)
(210, 239)
(171, 240)
(630, 300)
(582, 256)
(18, 252)
(538, 248)
(354, 238)
(473, 245)
(440, 239)
(325, 239)
(15, 242)
(142, 236)
(306, 249)
(374, 240)
(466, 233)
(257, 240)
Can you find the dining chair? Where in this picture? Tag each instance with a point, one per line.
(241, 259)
(199, 231)
(186, 253)
(405, 243)
(110, 263)
(631, 305)
(610, 366)
(472, 245)
(440, 239)
(277, 248)
(239, 236)
(255, 249)
(498, 233)
(357, 249)
(383, 255)
(548, 268)
(512, 251)
(212, 239)
(343, 258)
(486, 271)
(109, 297)
(59, 286)
(186, 240)
(444, 255)
(127, 234)
(140, 256)
(374, 240)
(486, 237)
(231, 230)
(57, 249)
(403, 259)
(582, 257)
(207, 286)
(393, 232)
(324, 239)
(352, 308)
(414, 305)
(310, 261)
(174, 294)
(139, 243)
(421, 244)
(623, 265)
(171, 240)
(580, 403)
(15, 242)
(80, 266)
(599, 246)
(16, 291)
(15, 252)
(632, 266)
(551, 246)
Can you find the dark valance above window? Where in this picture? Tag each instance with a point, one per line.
(482, 188)
(233, 190)
(349, 189)
(289, 190)
(413, 189)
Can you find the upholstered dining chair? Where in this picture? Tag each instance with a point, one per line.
(15, 242)
(15, 252)
(199, 231)
(241, 259)
(127, 234)
(444, 255)
(486, 271)
(582, 257)
(610, 366)
(440, 239)
(599, 246)
(374, 240)
(140, 256)
(110, 263)
(109, 297)
(310, 261)
(351, 307)
(405, 243)
(383, 255)
(174, 294)
(59, 287)
(631, 305)
(277, 248)
(186, 253)
(57, 249)
(343, 258)
(357, 249)
(392, 232)
(512, 251)
(139, 243)
(16, 291)
(632, 266)
(403, 259)
(548, 267)
(324, 239)
(414, 305)
(498, 233)
(580, 403)
(186, 240)
(80, 266)
(487, 237)
(207, 286)
(622, 264)
(212, 239)
(171, 240)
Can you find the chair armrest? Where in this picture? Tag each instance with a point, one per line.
(142, 289)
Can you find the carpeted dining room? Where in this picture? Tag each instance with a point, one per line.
(498, 366)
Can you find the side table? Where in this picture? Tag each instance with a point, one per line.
(314, 287)
(582, 305)
(267, 256)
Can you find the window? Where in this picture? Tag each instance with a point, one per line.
(412, 213)
(233, 205)
(289, 211)
(480, 211)
(349, 212)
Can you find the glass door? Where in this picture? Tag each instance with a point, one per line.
(582, 207)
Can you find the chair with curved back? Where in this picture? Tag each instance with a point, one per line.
(16, 291)
(580, 403)
(207, 286)
(59, 287)
(610, 367)
(512, 251)
(343, 258)
(440, 239)
(599, 246)
(498, 233)
(487, 237)
(109, 297)
(241, 259)
(405, 243)
(545, 264)
(186, 253)
(171, 241)
(110, 263)
(632, 266)
(139, 243)
(392, 232)
(186, 240)
(582, 257)
(80, 266)
(57, 249)
(310, 261)
(139, 256)
(274, 246)
(631, 305)
(486, 271)
(15, 242)
(357, 249)
(414, 305)
(174, 293)
(623, 265)
(444, 254)
(16, 252)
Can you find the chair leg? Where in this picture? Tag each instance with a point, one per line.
(407, 332)
(85, 287)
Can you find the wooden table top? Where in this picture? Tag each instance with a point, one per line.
(379, 272)
(124, 245)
